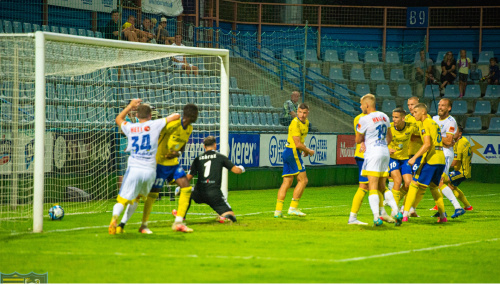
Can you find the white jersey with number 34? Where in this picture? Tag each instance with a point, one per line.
(143, 142)
(375, 127)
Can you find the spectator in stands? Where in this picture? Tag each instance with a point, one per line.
(129, 30)
(494, 74)
(424, 68)
(162, 36)
(147, 32)
(112, 30)
(180, 61)
(448, 71)
(290, 109)
(463, 71)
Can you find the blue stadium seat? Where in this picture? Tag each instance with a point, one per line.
(99, 93)
(54, 29)
(168, 97)
(101, 115)
(346, 107)
(82, 32)
(27, 27)
(90, 33)
(342, 89)
(404, 90)
(288, 54)
(241, 100)
(473, 124)
(62, 113)
(146, 77)
(72, 114)
(190, 95)
(89, 90)
(63, 30)
(484, 57)
(492, 91)
(50, 113)
(276, 119)
(5, 111)
(242, 118)
(255, 118)
(111, 115)
(459, 108)
(45, 28)
(36, 28)
(233, 83)
(267, 101)
(113, 75)
(362, 89)
(432, 108)
(336, 74)
(314, 73)
(234, 118)
(262, 101)
(311, 55)
(331, 55)
(72, 31)
(451, 91)
(27, 113)
(159, 96)
(7, 88)
(482, 108)
(255, 101)
(269, 118)
(71, 92)
(98, 35)
(358, 74)
(248, 100)
(92, 115)
(267, 54)
(440, 57)
(494, 125)
(371, 57)
(320, 91)
(80, 93)
(263, 119)
(292, 73)
(388, 106)
(377, 74)
(431, 91)
(351, 56)
(392, 57)
(234, 100)
(82, 114)
(398, 75)
(61, 91)
(7, 27)
(383, 90)
(472, 91)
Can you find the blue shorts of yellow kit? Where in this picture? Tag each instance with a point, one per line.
(428, 173)
(292, 162)
(359, 162)
(167, 173)
(457, 177)
(415, 166)
(400, 164)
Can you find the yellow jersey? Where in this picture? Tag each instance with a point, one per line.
(172, 138)
(435, 154)
(358, 146)
(126, 25)
(463, 153)
(401, 140)
(415, 145)
(297, 129)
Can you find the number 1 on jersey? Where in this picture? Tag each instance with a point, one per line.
(207, 168)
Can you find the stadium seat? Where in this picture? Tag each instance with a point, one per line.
(72, 114)
(431, 91)
(36, 28)
(92, 115)
(473, 124)
(417, 56)
(7, 27)
(357, 74)
(377, 74)
(267, 54)
(269, 119)
(61, 92)
(233, 83)
(459, 108)
(27, 113)
(331, 55)
(492, 91)
(7, 88)
(482, 108)
(82, 114)
(440, 57)
(276, 119)
(320, 90)
(371, 57)
(1, 26)
(336, 74)
(234, 100)
(255, 118)
(292, 73)
(50, 113)
(451, 91)
(342, 90)
(5, 111)
(101, 115)
(80, 93)
(398, 75)
(54, 29)
(151, 94)
(98, 35)
(484, 57)
(248, 100)
(475, 76)
(351, 56)
(472, 91)
(362, 89)
(383, 90)
(27, 28)
(311, 55)
(494, 125)
(89, 90)
(404, 90)
(72, 31)
(314, 73)
(234, 118)
(111, 115)
(288, 54)
(263, 119)
(346, 106)
(70, 92)
(168, 97)
(146, 77)
(82, 32)
(62, 113)
(388, 106)
(90, 33)
(242, 118)
(255, 101)
(432, 108)
(267, 101)
(392, 57)
(45, 28)
(63, 30)
(241, 100)
(158, 96)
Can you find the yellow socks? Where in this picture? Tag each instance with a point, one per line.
(438, 197)
(148, 206)
(410, 197)
(279, 205)
(295, 203)
(380, 198)
(396, 194)
(357, 200)
(418, 197)
(461, 197)
(184, 198)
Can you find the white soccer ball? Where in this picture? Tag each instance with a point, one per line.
(56, 213)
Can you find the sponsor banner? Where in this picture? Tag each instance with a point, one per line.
(92, 5)
(272, 146)
(485, 149)
(170, 8)
(346, 147)
(194, 148)
(244, 149)
(23, 159)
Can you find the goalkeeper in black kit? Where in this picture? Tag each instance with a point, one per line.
(208, 168)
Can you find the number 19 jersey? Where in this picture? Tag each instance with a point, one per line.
(375, 126)
(143, 142)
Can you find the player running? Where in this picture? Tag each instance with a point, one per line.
(142, 144)
(432, 165)
(462, 167)
(208, 168)
(292, 162)
(372, 129)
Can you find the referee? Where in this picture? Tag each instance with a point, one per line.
(208, 168)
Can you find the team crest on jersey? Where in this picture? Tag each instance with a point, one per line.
(423, 132)
(147, 128)
(452, 129)
(358, 126)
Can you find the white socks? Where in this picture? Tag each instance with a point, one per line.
(391, 185)
(129, 212)
(389, 198)
(117, 209)
(179, 219)
(374, 205)
(449, 194)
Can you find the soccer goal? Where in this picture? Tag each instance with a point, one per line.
(59, 97)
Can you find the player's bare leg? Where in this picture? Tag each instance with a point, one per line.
(184, 198)
(396, 177)
(297, 194)
(287, 183)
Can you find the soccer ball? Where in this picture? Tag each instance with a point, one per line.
(56, 213)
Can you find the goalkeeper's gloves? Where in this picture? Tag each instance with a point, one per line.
(242, 168)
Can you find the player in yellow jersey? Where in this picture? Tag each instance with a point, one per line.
(462, 167)
(292, 162)
(171, 143)
(432, 165)
(399, 168)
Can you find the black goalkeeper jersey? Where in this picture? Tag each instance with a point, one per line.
(208, 168)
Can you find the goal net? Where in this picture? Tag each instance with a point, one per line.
(78, 85)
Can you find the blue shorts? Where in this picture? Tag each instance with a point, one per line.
(292, 162)
(456, 177)
(428, 173)
(415, 166)
(167, 174)
(359, 162)
(401, 165)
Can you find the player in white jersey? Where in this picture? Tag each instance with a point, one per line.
(449, 128)
(142, 144)
(373, 130)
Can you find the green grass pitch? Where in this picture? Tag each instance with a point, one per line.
(259, 248)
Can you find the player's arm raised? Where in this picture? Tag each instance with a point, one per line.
(302, 146)
(121, 117)
(173, 117)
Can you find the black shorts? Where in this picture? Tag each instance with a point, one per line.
(463, 77)
(213, 198)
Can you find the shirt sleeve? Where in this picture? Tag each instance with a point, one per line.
(125, 128)
(194, 168)
(362, 126)
(294, 129)
(425, 130)
(452, 128)
(226, 162)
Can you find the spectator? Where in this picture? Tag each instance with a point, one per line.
(448, 72)
(463, 71)
(147, 32)
(180, 61)
(162, 36)
(129, 29)
(494, 75)
(290, 109)
(424, 69)
(112, 30)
